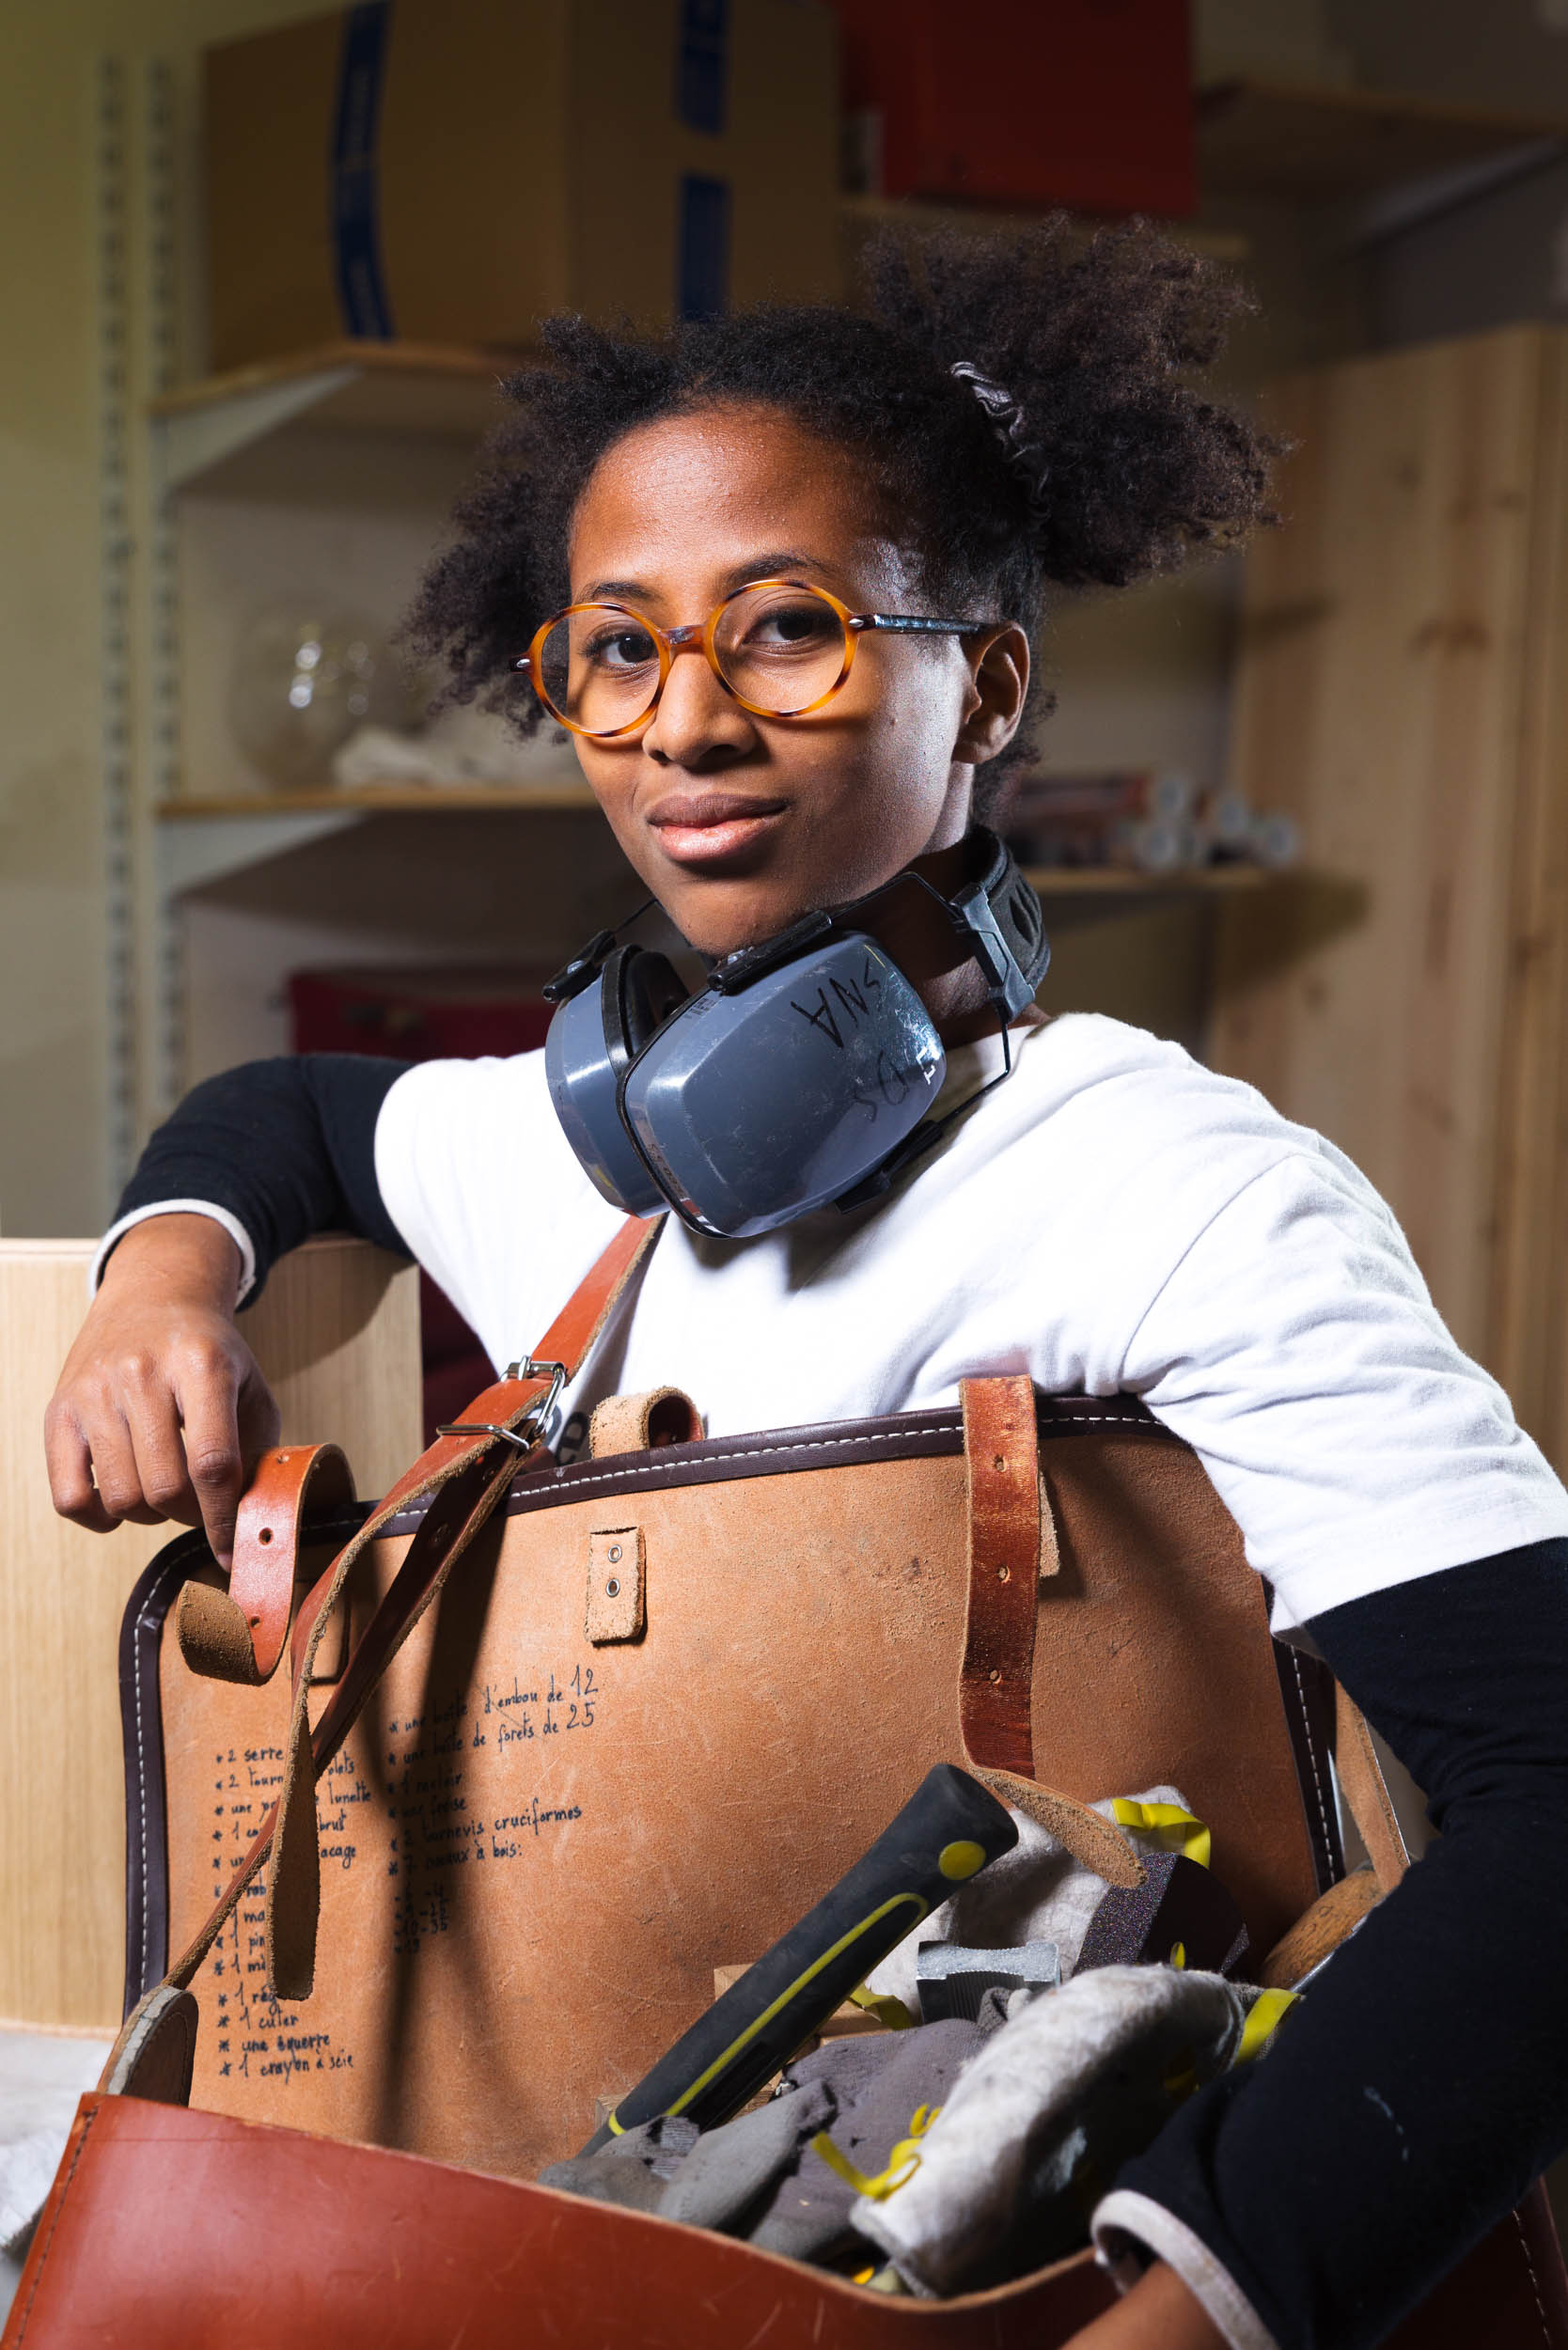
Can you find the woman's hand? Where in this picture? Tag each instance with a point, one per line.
(160, 1411)
(1159, 2313)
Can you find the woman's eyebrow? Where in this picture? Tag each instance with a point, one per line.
(772, 565)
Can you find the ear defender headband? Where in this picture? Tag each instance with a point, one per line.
(798, 1077)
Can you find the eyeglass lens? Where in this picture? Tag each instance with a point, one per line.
(780, 648)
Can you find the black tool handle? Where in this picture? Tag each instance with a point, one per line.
(948, 1831)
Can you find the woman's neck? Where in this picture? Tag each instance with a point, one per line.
(921, 939)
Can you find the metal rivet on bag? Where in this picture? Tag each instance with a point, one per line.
(1004, 1574)
(612, 1589)
(613, 1554)
(994, 1674)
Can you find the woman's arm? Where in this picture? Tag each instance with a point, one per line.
(161, 1410)
(1422, 2083)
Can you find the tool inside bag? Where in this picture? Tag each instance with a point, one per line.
(945, 2149)
(554, 1743)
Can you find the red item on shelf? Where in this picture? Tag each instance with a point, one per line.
(425, 1015)
(418, 1016)
(1083, 102)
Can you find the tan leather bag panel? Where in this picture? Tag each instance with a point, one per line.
(536, 1850)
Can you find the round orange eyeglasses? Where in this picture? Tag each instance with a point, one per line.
(779, 648)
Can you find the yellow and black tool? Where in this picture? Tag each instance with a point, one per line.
(946, 1833)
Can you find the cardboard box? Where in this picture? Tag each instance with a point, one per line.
(1083, 102)
(449, 171)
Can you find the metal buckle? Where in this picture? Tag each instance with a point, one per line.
(487, 1428)
(534, 1419)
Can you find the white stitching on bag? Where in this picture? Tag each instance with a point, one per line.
(829, 1444)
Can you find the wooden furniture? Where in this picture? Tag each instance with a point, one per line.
(338, 1334)
(1402, 688)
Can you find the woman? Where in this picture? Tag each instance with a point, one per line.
(1110, 1218)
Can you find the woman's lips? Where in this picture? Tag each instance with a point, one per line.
(706, 827)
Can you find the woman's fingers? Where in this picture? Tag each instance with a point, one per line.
(67, 1450)
(108, 1456)
(161, 1413)
(217, 1460)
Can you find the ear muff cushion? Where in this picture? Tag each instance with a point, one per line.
(638, 990)
(1021, 919)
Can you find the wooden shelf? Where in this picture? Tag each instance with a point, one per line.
(435, 387)
(1115, 881)
(382, 799)
(359, 386)
(1315, 146)
(208, 836)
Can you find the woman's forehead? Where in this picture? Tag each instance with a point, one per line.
(691, 502)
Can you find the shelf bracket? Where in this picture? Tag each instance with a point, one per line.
(195, 853)
(190, 440)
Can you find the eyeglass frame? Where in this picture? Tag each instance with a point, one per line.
(698, 636)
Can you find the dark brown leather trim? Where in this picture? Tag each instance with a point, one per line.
(783, 1451)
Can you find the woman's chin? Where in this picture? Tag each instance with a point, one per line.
(725, 912)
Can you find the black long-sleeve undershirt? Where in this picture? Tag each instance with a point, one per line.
(286, 1146)
(1423, 2082)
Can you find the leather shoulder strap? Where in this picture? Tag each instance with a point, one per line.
(468, 1469)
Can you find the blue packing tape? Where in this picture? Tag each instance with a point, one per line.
(361, 296)
(702, 255)
(702, 65)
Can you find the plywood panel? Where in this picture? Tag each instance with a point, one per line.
(338, 1335)
(1380, 698)
(1528, 1335)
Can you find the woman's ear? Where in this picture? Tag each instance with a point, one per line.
(999, 676)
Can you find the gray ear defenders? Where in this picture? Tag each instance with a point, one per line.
(797, 1077)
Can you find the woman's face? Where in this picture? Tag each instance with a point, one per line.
(737, 823)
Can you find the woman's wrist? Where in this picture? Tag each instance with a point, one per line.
(1159, 2312)
(183, 1256)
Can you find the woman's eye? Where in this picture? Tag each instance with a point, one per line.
(791, 628)
(620, 649)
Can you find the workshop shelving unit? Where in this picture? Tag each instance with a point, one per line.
(334, 471)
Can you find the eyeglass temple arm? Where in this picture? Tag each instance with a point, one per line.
(905, 624)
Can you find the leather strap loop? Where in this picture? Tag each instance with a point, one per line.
(640, 1423)
(1013, 1543)
(1002, 1459)
(239, 1635)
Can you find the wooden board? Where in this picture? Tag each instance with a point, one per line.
(1399, 691)
(338, 1333)
(1317, 146)
(1527, 1340)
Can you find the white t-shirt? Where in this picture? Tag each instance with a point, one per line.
(1114, 1217)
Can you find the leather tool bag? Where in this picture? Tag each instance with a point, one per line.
(665, 1696)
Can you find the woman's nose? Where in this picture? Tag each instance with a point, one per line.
(696, 724)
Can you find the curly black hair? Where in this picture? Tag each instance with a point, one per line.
(1082, 455)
